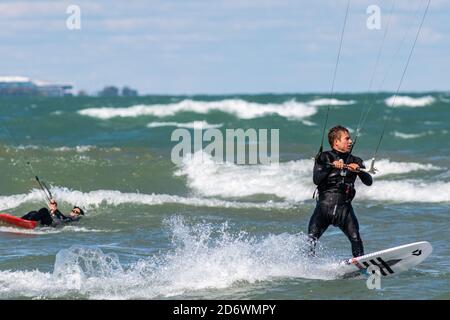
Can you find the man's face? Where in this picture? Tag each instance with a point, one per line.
(343, 143)
(75, 212)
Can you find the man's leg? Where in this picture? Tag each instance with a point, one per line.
(351, 230)
(43, 215)
(317, 226)
(32, 216)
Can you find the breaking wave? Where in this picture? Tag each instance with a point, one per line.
(202, 256)
(292, 181)
(188, 125)
(406, 101)
(240, 108)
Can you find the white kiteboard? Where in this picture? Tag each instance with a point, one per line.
(389, 262)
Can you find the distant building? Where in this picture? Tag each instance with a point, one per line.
(23, 86)
(109, 91)
(128, 92)
(17, 86)
(52, 89)
(112, 91)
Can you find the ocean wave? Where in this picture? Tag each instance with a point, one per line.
(49, 230)
(388, 167)
(291, 181)
(445, 99)
(410, 135)
(77, 149)
(94, 199)
(203, 256)
(189, 125)
(309, 123)
(330, 102)
(406, 101)
(240, 108)
(407, 191)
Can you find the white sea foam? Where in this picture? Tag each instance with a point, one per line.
(445, 99)
(77, 149)
(96, 198)
(406, 191)
(406, 101)
(309, 123)
(25, 147)
(431, 123)
(189, 125)
(388, 167)
(410, 135)
(203, 256)
(15, 200)
(49, 230)
(240, 108)
(330, 102)
(291, 181)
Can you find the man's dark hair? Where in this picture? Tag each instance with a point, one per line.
(335, 133)
(81, 210)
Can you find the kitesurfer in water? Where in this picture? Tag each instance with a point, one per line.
(53, 217)
(335, 172)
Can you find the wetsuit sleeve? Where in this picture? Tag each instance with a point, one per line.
(59, 215)
(321, 168)
(365, 177)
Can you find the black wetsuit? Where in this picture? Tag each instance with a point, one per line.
(46, 219)
(336, 191)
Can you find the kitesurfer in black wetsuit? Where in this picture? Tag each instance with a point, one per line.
(53, 217)
(335, 172)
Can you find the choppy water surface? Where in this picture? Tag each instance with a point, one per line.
(206, 230)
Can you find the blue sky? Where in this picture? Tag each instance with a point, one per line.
(224, 46)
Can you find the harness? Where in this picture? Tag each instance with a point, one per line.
(336, 183)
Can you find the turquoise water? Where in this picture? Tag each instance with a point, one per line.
(205, 230)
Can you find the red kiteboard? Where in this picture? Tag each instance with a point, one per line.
(16, 221)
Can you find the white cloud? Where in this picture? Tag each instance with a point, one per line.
(41, 9)
(147, 23)
(30, 9)
(431, 36)
(247, 34)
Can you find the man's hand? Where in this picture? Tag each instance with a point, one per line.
(338, 164)
(53, 206)
(353, 167)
